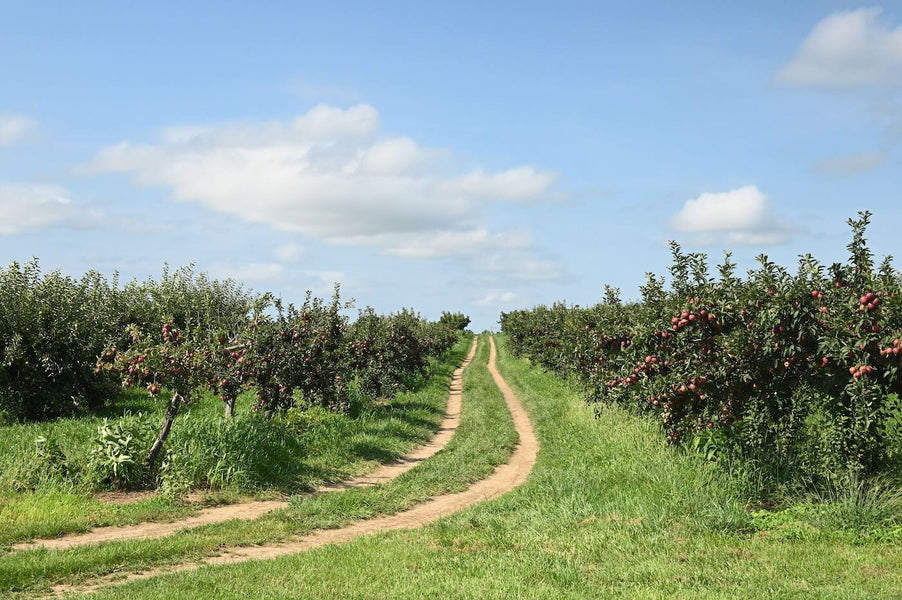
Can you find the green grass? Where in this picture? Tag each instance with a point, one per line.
(609, 512)
(265, 458)
(484, 439)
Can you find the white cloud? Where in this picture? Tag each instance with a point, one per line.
(393, 156)
(14, 127)
(741, 217)
(847, 49)
(517, 266)
(496, 299)
(26, 206)
(329, 174)
(325, 121)
(252, 272)
(852, 164)
(290, 253)
(277, 274)
(433, 244)
(515, 185)
(740, 209)
(779, 235)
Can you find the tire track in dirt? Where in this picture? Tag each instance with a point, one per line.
(253, 510)
(503, 479)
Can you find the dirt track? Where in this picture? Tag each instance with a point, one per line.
(504, 479)
(252, 510)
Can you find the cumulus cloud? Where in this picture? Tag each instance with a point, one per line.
(847, 49)
(737, 217)
(852, 164)
(740, 209)
(327, 174)
(14, 127)
(27, 206)
(393, 157)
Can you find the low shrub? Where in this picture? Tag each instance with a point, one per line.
(118, 450)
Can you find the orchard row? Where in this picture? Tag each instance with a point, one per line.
(66, 345)
(796, 373)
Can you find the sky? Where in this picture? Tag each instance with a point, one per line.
(462, 156)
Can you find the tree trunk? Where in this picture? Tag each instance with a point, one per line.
(171, 412)
(229, 408)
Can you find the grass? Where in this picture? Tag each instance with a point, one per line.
(484, 439)
(608, 512)
(265, 458)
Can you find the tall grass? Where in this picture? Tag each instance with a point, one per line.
(250, 455)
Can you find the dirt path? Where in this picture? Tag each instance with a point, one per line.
(504, 479)
(253, 510)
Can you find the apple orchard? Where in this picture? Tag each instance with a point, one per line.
(787, 376)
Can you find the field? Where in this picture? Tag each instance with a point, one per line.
(608, 511)
(722, 438)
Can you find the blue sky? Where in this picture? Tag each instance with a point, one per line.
(444, 156)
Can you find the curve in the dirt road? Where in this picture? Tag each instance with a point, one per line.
(253, 510)
(505, 478)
